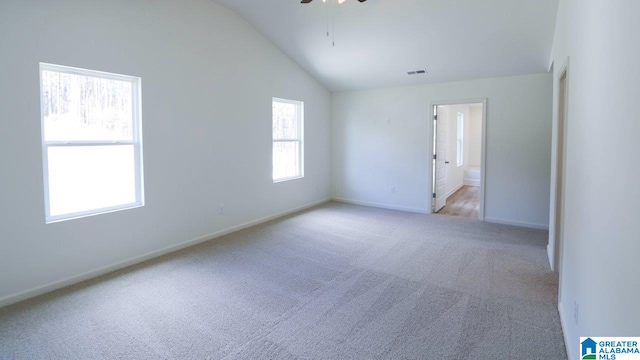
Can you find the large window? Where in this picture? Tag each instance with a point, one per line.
(288, 158)
(460, 139)
(91, 142)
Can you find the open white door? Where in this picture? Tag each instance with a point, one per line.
(440, 129)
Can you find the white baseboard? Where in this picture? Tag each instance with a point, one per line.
(517, 223)
(469, 182)
(382, 206)
(12, 299)
(570, 347)
(550, 258)
(454, 190)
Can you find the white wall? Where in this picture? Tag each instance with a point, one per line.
(207, 82)
(381, 139)
(600, 268)
(473, 137)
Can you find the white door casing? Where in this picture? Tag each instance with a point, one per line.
(438, 168)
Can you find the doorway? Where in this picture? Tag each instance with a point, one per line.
(458, 170)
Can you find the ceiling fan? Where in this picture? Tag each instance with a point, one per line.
(331, 2)
(324, 1)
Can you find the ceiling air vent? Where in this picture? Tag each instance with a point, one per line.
(417, 72)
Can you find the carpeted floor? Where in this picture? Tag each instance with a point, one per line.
(335, 282)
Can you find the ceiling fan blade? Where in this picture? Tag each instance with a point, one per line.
(308, 1)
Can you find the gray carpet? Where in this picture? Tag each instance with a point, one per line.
(335, 282)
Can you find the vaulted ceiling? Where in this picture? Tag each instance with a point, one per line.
(377, 42)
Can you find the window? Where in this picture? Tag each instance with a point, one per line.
(288, 158)
(460, 142)
(91, 142)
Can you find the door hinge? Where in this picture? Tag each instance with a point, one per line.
(435, 157)
(434, 195)
(435, 117)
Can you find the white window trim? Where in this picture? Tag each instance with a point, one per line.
(136, 142)
(299, 139)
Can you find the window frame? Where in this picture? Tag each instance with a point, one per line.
(300, 138)
(460, 139)
(136, 142)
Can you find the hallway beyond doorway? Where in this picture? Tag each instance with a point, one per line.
(464, 203)
(458, 145)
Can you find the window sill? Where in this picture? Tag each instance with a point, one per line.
(84, 214)
(275, 181)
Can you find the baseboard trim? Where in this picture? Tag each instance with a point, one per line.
(40, 290)
(517, 223)
(569, 347)
(381, 206)
(549, 257)
(469, 182)
(454, 190)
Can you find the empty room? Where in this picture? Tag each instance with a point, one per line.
(339, 179)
